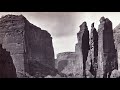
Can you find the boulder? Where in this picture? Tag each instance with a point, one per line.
(89, 75)
(115, 74)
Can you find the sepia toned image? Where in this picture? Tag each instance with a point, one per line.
(59, 44)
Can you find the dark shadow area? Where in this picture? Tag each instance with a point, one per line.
(85, 48)
(7, 68)
(94, 50)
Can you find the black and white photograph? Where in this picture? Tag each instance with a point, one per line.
(59, 44)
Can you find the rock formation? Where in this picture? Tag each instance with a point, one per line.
(27, 51)
(117, 43)
(115, 74)
(73, 64)
(27, 44)
(89, 75)
(82, 48)
(96, 56)
(7, 68)
(91, 64)
(107, 59)
(65, 63)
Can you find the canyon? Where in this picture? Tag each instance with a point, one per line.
(26, 51)
(97, 53)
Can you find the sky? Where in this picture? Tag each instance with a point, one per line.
(63, 26)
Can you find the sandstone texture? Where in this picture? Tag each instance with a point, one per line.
(91, 64)
(117, 43)
(73, 64)
(89, 75)
(107, 57)
(27, 44)
(65, 63)
(115, 74)
(26, 51)
(96, 55)
(82, 48)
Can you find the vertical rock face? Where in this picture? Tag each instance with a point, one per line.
(39, 48)
(117, 43)
(7, 68)
(82, 48)
(65, 62)
(106, 49)
(91, 63)
(12, 39)
(27, 44)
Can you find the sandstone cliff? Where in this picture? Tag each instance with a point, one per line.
(82, 48)
(27, 44)
(27, 51)
(7, 68)
(117, 43)
(107, 59)
(73, 64)
(91, 64)
(65, 63)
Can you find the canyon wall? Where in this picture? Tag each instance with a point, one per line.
(117, 43)
(27, 44)
(27, 51)
(7, 68)
(75, 63)
(82, 48)
(65, 63)
(91, 64)
(96, 55)
(107, 57)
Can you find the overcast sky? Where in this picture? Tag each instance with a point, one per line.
(63, 26)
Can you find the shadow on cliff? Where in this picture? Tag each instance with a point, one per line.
(7, 68)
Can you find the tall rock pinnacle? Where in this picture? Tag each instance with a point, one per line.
(106, 49)
(82, 47)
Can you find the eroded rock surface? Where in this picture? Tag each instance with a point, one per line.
(82, 48)
(115, 74)
(107, 59)
(91, 64)
(65, 63)
(27, 44)
(7, 68)
(117, 43)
